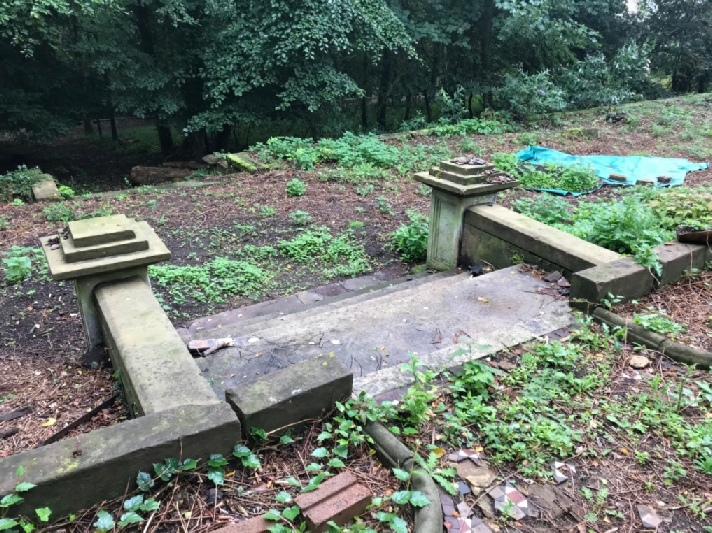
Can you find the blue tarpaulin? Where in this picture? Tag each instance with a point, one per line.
(633, 167)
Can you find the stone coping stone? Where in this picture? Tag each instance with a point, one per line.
(75, 254)
(623, 279)
(553, 245)
(102, 230)
(307, 389)
(82, 471)
(60, 269)
(678, 257)
(466, 170)
(46, 190)
(155, 365)
(477, 189)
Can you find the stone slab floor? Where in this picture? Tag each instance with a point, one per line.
(444, 321)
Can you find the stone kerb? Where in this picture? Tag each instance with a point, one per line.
(457, 185)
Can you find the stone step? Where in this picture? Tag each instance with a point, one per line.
(246, 320)
(443, 320)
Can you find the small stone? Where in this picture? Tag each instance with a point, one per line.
(563, 283)
(639, 362)
(664, 179)
(553, 276)
(479, 477)
(648, 516)
(214, 495)
(463, 489)
(620, 178)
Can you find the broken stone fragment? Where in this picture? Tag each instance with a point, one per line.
(618, 177)
(638, 362)
(648, 516)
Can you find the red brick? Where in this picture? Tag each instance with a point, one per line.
(340, 507)
(256, 524)
(326, 489)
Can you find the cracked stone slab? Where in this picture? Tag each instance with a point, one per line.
(648, 517)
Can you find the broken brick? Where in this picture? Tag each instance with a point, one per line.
(338, 499)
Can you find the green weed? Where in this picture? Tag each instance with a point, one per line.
(411, 240)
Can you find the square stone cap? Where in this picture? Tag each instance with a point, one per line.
(102, 230)
(465, 191)
(60, 269)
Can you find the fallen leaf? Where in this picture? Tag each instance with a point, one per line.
(439, 452)
(50, 422)
(483, 300)
(625, 452)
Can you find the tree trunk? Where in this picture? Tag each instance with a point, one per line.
(383, 89)
(88, 128)
(98, 127)
(364, 113)
(428, 110)
(112, 122)
(408, 105)
(165, 138)
(486, 39)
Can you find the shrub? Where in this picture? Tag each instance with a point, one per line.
(19, 182)
(296, 187)
(527, 94)
(66, 192)
(17, 264)
(300, 218)
(59, 213)
(411, 240)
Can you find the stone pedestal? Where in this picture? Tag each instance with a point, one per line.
(101, 250)
(457, 186)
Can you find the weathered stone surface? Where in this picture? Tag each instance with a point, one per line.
(677, 257)
(242, 161)
(338, 499)
(623, 278)
(100, 465)
(102, 230)
(555, 246)
(648, 517)
(152, 175)
(60, 269)
(304, 390)
(74, 254)
(638, 362)
(46, 190)
(477, 189)
(446, 216)
(155, 366)
(480, 478)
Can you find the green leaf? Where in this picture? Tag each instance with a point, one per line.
(20, 471)
(401, 475)
(286, 439)
(273, 514)
(251, 461)
(342, 450)
(10, 499)
(217, 477)
(132, 504)
(217, 460)
(130, 518)
(336, 463)
(385, 517)
(24, 487)
(240, 450)
(315, 482)
(7, 523)
(43, 513)
(418, 499)
(189, 464)
(294, 482)
(398, 525)
(150, 505)
(104, 521)
(401, 497)
(27, 527)
(314, 467)
(320, 453)
(290, 513)
(283, 497)
(144, 481)
(324, 435)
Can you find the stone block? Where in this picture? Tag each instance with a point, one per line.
(478, 245)
(338, 499)
(155, 366)
(102, 464)
(677, 257)
(46, 191)
(623, 278)
(475, 189)
(304, 390)
(102, 230)
(553, 245)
